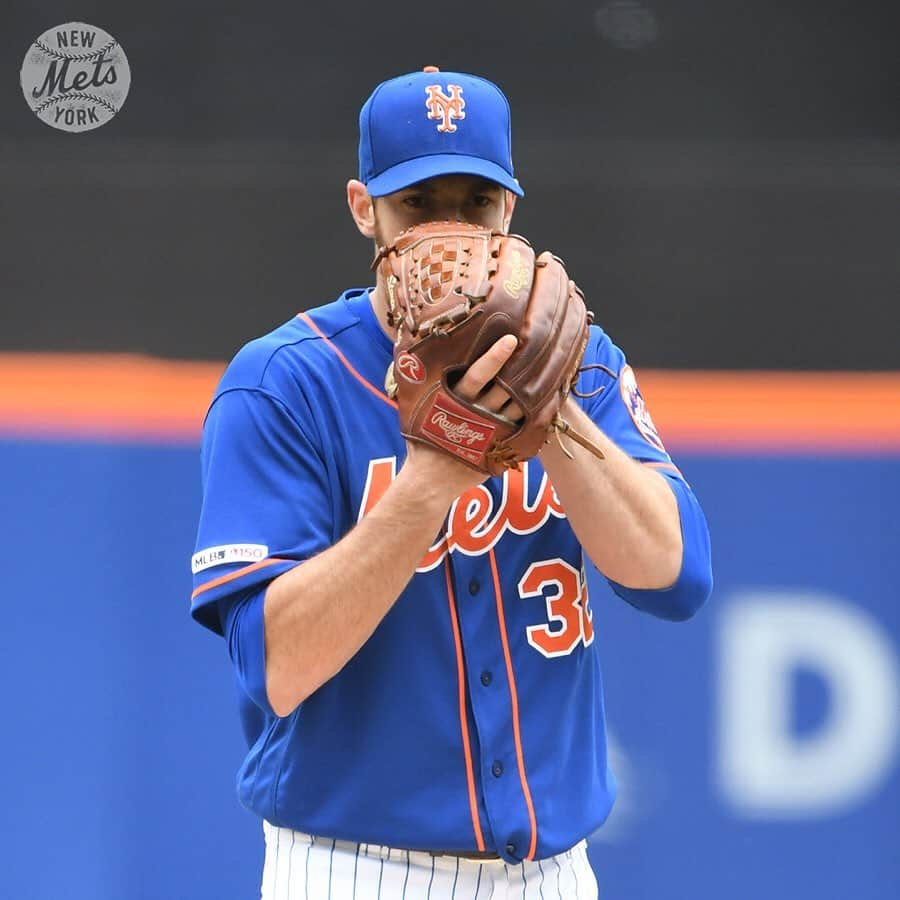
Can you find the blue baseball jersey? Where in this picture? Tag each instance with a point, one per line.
(472, 718)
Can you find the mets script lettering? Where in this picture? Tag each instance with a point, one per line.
(475, 523)
(57, 77)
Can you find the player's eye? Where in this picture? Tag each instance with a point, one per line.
(482, 200)
(414, 201)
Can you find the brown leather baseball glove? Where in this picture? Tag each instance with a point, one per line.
(453, 290)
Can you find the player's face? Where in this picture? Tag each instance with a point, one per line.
(457, 198)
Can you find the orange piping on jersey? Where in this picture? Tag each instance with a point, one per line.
(224, 579)
(463, 723)
(661, 465)
(514, 700)
(366, 384)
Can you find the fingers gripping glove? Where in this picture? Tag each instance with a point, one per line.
(453, 290)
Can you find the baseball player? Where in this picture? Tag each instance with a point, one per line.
(420, 686)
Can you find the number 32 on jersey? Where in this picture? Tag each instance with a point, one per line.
(569, 617)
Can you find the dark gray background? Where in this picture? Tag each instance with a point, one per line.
(726, 192)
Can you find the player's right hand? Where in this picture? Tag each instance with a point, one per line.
(476, 385)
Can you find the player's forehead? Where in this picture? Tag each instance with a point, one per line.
(453, 184)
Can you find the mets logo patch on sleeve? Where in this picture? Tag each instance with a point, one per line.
(637, 408)
(228, 553)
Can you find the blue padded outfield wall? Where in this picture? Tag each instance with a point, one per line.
(756, 746)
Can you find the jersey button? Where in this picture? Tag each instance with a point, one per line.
(497, 768)
(511, 849)
(474, 586)
(486, 678)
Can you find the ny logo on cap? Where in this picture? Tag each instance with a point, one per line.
(445, 108)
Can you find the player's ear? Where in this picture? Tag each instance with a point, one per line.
(362, 207)
(509, 204)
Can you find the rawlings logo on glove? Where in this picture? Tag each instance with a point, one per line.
(458, 431)
(410, 367)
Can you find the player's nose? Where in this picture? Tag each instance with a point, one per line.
(450, 212)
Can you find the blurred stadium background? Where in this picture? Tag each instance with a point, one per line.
(722, 179)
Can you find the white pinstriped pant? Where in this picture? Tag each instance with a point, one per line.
(300, 867)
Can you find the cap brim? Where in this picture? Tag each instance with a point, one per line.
(414, 170)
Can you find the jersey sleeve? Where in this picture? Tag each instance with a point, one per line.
(243, 621)
(266, 506)
(616, 406)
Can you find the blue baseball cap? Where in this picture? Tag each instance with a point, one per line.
(430, 123)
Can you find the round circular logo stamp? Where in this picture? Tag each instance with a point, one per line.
(75, 77)
(411, 367)
(637, 408)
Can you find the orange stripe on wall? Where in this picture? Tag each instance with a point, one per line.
(826, 411)
(136, 397)
(105, 396)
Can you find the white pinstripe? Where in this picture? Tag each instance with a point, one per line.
(300, 867)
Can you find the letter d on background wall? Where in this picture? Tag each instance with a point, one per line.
(765, 771)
